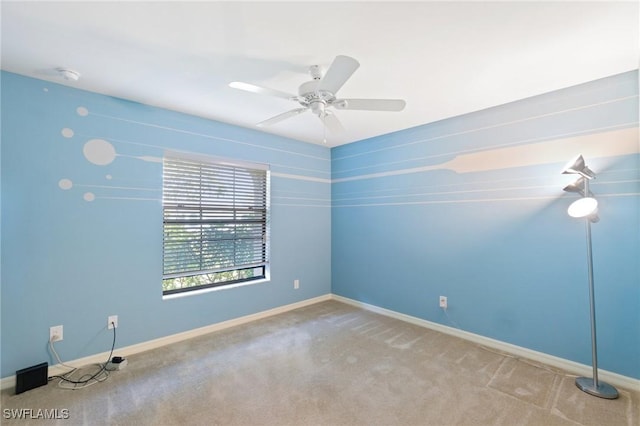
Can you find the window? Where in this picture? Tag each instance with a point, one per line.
(215, 223)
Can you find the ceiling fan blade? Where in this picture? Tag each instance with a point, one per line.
(261, 90)
(370, 104)
(278, 118)
(338, 73)
(332, 123)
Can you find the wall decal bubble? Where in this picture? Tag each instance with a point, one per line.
(65, 184)
(82, 111)
(45, 90)
(67, 132)
(109, 177)
(89, 196)
(99, 151)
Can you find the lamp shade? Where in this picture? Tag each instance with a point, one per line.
(583, 207)
(578, 186)
(577, 166)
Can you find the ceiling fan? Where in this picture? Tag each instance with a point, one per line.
(319, 94)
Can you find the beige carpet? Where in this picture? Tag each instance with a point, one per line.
(328, 364)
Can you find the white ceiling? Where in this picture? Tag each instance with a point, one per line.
(444, 58)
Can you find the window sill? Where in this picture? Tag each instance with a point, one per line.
(212, 289)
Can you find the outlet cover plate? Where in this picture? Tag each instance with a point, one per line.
(112, 322)
(443, 302)
(55, 333)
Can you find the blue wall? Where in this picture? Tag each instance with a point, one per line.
(472, 208)
(82, 228)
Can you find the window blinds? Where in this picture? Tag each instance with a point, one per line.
(215, 217)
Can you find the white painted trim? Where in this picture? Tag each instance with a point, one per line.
(10, 381)
(561, 363)
(553, 361)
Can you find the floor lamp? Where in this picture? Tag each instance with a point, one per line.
(587, 208)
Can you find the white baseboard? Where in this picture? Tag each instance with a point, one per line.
(10, 381)
(561, 363)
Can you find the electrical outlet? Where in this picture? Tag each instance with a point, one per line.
(55, 333)
(296, 284)
(443, 302)
(112, 322)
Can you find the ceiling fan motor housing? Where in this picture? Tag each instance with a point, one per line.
(315, 99)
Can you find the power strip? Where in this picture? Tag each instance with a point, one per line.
(116, 363)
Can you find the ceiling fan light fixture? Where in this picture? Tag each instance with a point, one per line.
(318, 108)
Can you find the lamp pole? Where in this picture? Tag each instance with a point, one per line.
(585, 384)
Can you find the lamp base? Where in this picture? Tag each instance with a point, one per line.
(603, 390)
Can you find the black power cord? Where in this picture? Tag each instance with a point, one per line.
(103, 369)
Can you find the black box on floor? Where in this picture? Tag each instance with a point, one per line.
(32, 377)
